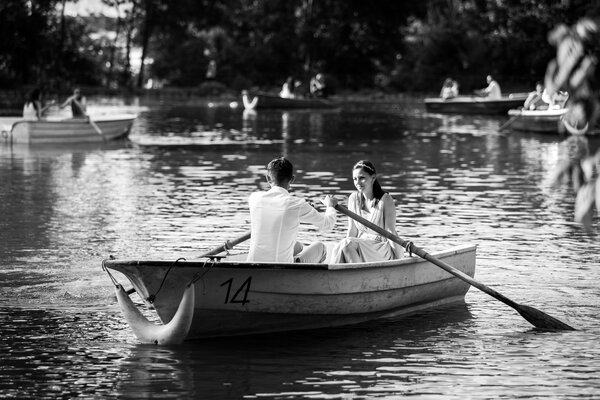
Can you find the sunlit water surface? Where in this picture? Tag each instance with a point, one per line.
(180, 187)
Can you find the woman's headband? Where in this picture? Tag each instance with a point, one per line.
(362, 165)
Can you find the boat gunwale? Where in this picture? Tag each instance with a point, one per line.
(470, 99)
(538, 113)
(72, 121)
(215, 262)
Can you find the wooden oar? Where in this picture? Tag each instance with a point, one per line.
(46, 107)
(536, 317)
(89, 119)
(96, 127)
(510, 121)
(228, 245)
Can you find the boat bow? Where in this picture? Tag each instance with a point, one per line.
(174, 332)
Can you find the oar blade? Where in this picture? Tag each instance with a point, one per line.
(509, 122)
(541, 320)
(537, 318)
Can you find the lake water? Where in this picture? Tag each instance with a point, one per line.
(180, 187)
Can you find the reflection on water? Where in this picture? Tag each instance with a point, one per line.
(180, 186)
(294, 363)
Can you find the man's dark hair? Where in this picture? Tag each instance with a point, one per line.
(280, 170)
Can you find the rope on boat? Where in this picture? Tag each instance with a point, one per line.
(227, 246)
(199, 275)
(152, 297)
(173, 332)
(409, 247)
(112, 278)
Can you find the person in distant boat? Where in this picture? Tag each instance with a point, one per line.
(288, 87)
(78, 104)
(371, 202)
(211, 70)
(275, 216)
(449, 89)
(492, 91)
(536, 100)
(317, 86)
(557, 100)
(32, 109)
(249, 104)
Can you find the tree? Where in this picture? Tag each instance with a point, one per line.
(575, 69)
(392, 45)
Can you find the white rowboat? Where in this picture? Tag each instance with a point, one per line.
(540, 121)
(474, 104)
(241, 298)
(66, 130)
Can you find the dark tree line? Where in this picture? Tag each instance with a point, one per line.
(382, 44)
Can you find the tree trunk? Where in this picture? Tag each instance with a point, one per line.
(126, 79)
(58, 66)
(147, 32)
(113, 48)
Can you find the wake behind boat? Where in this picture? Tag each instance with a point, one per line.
(66, 130)
(235, 297)
(475, 104)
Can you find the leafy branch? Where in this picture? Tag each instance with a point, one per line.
(574, 70)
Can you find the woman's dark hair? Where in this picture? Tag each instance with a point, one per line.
(369, 168)
(33, 96)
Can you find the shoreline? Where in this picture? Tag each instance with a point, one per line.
(11, 101)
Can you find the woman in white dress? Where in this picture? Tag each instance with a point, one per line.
(287, 90)
(372, 203)
(32, 109)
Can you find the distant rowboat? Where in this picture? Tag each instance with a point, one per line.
(539, 121)
(66, 130)
(229, 297)
(256, 100)
(475, 104)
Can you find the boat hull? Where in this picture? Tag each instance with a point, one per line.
(267, 100)
(539, 121)
(474, 104)
(71, 130)
(241, 298)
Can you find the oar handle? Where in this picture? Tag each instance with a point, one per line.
(423, 254)
(228, 245)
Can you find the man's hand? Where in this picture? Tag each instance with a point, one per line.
(329, 201)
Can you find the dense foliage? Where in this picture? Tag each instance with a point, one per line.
(575, 69)
(388, 45)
